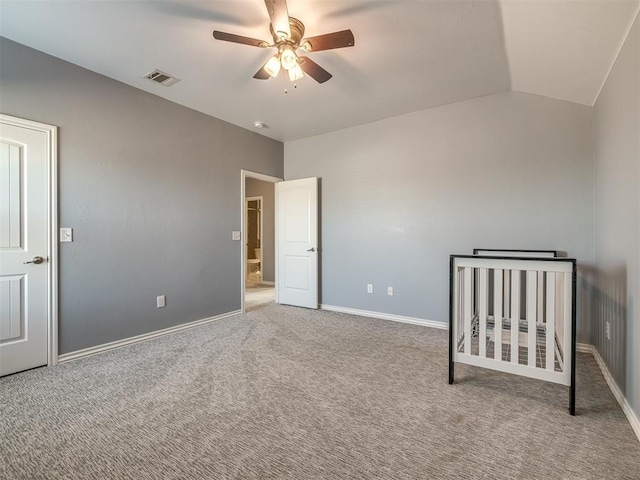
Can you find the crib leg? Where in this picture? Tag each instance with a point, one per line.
(451, 310)
(572, 399)
(572, 386)
(450, 356)
(450, 371)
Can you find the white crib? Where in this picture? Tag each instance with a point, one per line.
(514, 311)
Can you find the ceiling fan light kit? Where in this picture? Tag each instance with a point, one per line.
(288, 58)
(287, 33)
(295, 73)
(272, 66)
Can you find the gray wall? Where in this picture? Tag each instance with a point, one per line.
(152, 191)
(399, 196)
(617, 220)
(257, 188)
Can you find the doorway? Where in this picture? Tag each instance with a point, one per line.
(258, 240)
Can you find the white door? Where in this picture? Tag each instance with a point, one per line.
(297, 207)
(24, 247)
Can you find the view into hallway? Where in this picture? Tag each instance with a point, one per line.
(259, 228)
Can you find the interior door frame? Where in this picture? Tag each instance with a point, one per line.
(244, 174)
(51, 132)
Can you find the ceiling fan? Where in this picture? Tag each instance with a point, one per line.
(288, 33)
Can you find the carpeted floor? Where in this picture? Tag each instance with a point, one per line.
(283, 392)
(258, 295)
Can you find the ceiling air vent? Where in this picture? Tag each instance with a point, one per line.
(162, 78)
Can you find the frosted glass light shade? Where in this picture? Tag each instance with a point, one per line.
(288, 58)
(272, 67)
(295, 73)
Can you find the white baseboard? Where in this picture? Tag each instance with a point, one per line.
(141, 338)
(613, 386)
(584, 348)
(386, 316)
(266, 282)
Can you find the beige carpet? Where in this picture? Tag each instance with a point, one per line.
(288, 393)
(257, 295)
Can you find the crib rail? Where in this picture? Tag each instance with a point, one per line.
(516, 315)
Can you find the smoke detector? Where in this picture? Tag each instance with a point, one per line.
(162, 78)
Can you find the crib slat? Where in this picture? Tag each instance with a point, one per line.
(482, 310)
(459, 297)
(506, 297)
(497, 314)
(532, 302)
(466, 309)
(540, 297)
(460, 304)
(559, 304)
(515, 314)
(550, 324)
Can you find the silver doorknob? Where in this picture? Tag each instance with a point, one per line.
(312, 249)
(36, 260)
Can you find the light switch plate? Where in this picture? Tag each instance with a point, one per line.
(235, 235)
(66, 235)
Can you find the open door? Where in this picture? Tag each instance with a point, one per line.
(297, 242)
(27, 249)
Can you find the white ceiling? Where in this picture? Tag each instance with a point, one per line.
(409, 55)
(564, 49)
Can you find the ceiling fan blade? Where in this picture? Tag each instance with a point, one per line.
(230, 37)
(261, 74)
(314, 70)
(279, 16)
(329, 41)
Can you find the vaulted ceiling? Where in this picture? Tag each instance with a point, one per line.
(409, 55)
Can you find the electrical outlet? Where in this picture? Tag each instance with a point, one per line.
(369, 287)
(161, 301)
(390, 291)
(608, 330)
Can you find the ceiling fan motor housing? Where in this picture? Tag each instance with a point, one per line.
(297, 32)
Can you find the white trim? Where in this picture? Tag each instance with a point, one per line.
(51, 132)
(386, 316)
(613, 386)
(141, 338)
(261, 176)
(584, 348)
(53, 254)
(244, 174)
